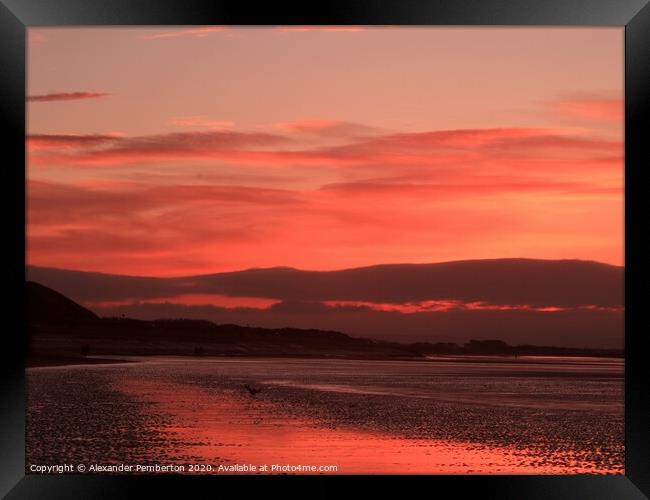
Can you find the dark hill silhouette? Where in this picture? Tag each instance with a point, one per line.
(534, 282)
(587, 298)
(58, 327)
(44, 305)
(61, 331)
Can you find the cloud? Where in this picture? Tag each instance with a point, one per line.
(66, 141)
(271, 149)
(191, 299)
(488, 140)
(591, 108)
(199, 199)
(455, 305)
(469, 185)
(57, 202)
(323, 127)
(571, 328)
(67, 96)
(182, 222)
(201, 121)
(198, 145)
(192, 32)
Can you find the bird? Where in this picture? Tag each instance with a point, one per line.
(252, 390)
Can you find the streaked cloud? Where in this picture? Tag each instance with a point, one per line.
(191, 32)
(591, 108)
(576, 327)
(324, 127)
(414, 148)
(67, 96)
(65, 141)
(201, 121)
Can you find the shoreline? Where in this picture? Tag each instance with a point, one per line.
(63, 361)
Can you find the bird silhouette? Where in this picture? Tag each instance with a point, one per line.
(252, 390)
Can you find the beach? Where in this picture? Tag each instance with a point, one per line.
(323, 416)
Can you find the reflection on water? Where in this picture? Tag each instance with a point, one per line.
(362, 416)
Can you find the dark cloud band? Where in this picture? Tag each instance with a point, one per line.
(67, 96)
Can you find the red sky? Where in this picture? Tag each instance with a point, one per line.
(168, 152)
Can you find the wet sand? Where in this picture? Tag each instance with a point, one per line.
(362, 416)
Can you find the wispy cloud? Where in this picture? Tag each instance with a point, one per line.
(67, 96)
(416, 148)
(192, 32)
(201, 121)
(464, 186)
(326, 127)
(189, 220)
(68, 141)
(198, 145)
(352, 194)
(590, 108)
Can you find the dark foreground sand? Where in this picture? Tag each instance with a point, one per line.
(362, 416)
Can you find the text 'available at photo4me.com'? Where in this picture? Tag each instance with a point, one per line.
(122, 468)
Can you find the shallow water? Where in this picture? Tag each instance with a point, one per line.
(529, 416)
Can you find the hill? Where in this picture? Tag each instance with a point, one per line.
(47, 306)
(61, 328)
(533, 282)
(62, 331)
(569, 303)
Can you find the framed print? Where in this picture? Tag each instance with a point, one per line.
(393, 243)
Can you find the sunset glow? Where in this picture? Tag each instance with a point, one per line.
(325, 250)
(310, 148)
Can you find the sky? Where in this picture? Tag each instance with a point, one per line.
(175, 151)
(167, 153)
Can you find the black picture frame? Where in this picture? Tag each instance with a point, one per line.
(634, 15)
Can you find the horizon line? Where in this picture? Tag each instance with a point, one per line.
(290, 268)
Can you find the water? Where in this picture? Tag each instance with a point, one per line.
(447, 416)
